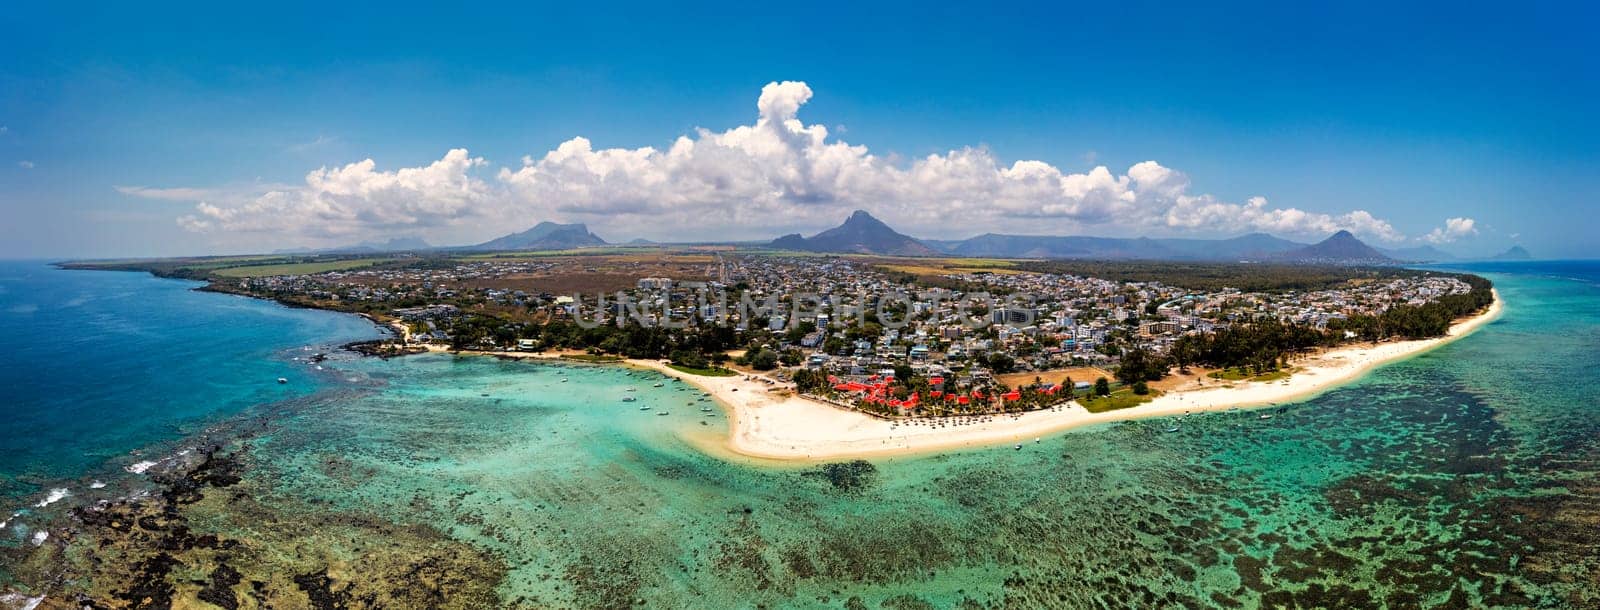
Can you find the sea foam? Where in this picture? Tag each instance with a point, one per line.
(140, 467)
(56, 495)
(20, 601)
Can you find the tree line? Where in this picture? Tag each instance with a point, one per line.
(1267, 345)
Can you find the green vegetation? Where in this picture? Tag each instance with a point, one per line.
(298, 268)
(764, 359)
(703, 372)
(696, 363)
(1120, 399)
(1421, 321)
(1139, 366)
(1244, 374)
(631, 340)
(595, 358)
(1262, 348)
(185, 268)
(811, 381)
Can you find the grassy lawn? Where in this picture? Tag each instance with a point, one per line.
(298, 268)
(592, 358)
(1119, 399)
(703, 372)
(1240, 374)
(1272, 376)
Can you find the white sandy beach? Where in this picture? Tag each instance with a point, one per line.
(786, 427)
(766, 420)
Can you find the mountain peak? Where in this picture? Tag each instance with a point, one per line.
(1341, 247)
(1515, 253)
(860, 233)
(545, 236)
(862, 218)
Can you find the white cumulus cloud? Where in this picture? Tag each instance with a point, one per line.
(357, 200)
(749, 180)
(1453, 229)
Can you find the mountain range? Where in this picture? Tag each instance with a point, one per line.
(861, 233)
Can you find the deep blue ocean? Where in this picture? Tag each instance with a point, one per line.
(96, 364)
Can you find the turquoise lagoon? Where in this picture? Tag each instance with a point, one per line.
(1464, 477)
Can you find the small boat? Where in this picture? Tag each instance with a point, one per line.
(644, 408)
(283, 380)
(1019, 447)
(631, 390)
(1172, 429)
(662, 413)
(656, 386)
(1266, 416)
(1038, 440)
(705, 409)
(628, 399)
(563, 380)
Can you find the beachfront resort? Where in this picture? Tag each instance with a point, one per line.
(886, 337)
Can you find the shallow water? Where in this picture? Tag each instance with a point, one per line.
(1464, 477)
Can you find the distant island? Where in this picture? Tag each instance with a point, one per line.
(1515, 253)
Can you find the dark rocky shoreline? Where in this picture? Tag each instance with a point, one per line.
(212, 530)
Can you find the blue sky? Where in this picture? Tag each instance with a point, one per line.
(137, 131)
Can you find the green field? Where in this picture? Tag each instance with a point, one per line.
(1239, 374)
(298, 268)
(703, 372)
(1119, 399)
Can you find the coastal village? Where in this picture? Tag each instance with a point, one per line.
(844, 329)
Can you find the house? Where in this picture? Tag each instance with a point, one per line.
(1151, 329)
(919, 353)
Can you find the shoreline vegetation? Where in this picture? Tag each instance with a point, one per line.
(768, 420)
